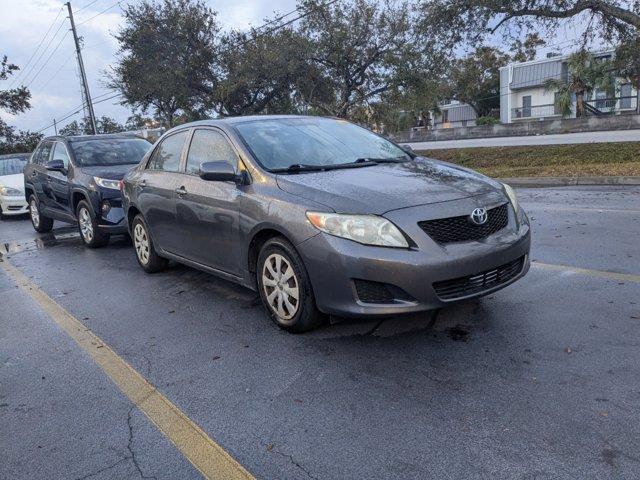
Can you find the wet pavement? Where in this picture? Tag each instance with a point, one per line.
(537, 381)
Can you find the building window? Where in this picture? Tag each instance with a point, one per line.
(445, 116)
(625, 96)
(526, 106)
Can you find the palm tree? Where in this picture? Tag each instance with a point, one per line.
(585, 73)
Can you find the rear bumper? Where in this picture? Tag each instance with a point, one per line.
(334, 264)
(14, 206)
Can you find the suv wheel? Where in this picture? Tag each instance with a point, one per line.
(285, 288)
(41, 224)
(90, 233)
(146, 254)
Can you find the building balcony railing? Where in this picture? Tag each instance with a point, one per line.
(534, 111)
(614, 105)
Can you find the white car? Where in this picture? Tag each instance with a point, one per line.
(12, 201)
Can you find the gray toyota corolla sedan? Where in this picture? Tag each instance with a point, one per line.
(323, 217)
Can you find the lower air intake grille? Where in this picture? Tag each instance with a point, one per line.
(465, 286)
(376, 292)
(460, 229)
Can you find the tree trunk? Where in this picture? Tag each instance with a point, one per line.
(579, 104)
(638, 94)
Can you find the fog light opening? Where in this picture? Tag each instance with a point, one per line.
(106, 207)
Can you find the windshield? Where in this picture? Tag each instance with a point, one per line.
(109, 151)
(11, 166)
(280, 143)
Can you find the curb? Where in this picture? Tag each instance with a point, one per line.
(568, 181)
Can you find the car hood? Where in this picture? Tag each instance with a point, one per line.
(13, 181)
(111, 172)
(381, 188)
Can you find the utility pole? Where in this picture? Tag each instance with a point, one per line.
(55, 126)
(83, 75)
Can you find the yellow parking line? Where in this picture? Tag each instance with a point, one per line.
(622, 277)
(205, 454)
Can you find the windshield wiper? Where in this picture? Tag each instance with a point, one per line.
(303, 167)
(382, 160)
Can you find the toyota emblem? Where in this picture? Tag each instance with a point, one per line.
(479, 216)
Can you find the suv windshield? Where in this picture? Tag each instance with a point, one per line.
(11, 166)
(279, 144)
(109, 151)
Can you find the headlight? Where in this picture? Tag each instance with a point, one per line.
(365, 229)
(11, 192)
(511, 193)
(106, 183)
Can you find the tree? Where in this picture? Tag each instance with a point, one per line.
(585, 73)
(527, 49)
(475, 79)
(104, 124)
(359, 47)
(472, 19)
(258, 71)
(166, 53)
(13, 101)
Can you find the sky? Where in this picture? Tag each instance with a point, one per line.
(53, 79)
(51, 73)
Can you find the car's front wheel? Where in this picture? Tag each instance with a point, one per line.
(285, 288)
(146, 253)
(41, 224)
(90, 232)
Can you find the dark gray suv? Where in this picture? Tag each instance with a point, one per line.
(322, 216)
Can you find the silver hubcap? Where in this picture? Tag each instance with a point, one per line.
(280, 286)
(35, 216)
(86, 227)
(141, 242)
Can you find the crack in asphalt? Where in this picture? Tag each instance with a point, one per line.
(297, 464)
(133, 458)
(102, 470)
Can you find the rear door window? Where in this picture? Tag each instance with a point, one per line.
(45, 153)
(166, 156)
(209, 146)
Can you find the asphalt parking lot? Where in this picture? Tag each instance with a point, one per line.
(538, 381)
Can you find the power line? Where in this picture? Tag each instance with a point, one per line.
(36, 50)
(48, 58)
(98, 14)
(86, 6)
(62, 65)
(33, 66)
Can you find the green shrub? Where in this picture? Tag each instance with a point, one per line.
(487, 121)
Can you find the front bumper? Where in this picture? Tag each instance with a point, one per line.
(112, 220)
(14, 205)
(334, 264)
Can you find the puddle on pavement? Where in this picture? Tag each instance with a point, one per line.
(39, 243)
(459, 333)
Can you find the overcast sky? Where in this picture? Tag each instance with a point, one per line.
(54, 85)
(53, 79)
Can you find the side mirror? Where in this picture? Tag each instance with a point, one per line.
(408, 149)
(218, 172)
(55, 166)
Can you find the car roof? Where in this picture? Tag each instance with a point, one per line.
(14, 155)
(82, 138)
(236, 120)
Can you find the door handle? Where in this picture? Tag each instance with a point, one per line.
(142, 183)
(181, 191)
(34, 174)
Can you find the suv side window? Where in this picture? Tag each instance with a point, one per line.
(45, 152)
(60, 153)
(167, 155)
(209, 146)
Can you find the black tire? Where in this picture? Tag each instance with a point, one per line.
(304, 315)
(41, 224)
(146, 253)
(90, 233)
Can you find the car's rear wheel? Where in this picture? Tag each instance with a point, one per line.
(285, 288)
(90, 232)
(41, 224)
(146, 253)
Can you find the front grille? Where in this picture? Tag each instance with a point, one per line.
(460, 229)
(465, 286)
(376, 292)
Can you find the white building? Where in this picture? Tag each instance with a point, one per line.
(523, 96)
(454, 114)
